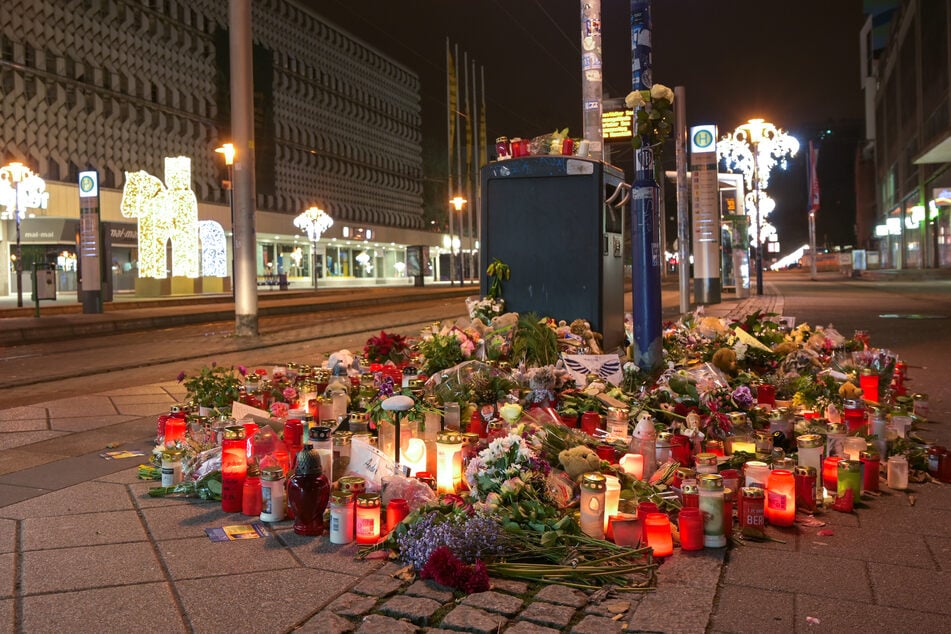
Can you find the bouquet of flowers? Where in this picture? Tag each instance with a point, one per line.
(386, 347)
(443, 348)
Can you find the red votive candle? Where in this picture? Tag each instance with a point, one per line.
(691, 529)
(830, 473)
(657, 527)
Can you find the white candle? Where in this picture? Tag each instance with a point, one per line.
(633, 465)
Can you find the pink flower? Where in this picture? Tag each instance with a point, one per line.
(279, 410)
(289, 393)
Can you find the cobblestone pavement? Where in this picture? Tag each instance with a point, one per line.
(83, 546)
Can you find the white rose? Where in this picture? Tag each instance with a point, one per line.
(660, 91)
(635, 100)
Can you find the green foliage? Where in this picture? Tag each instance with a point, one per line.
(534, 342)
(497, 271)
(214, 386)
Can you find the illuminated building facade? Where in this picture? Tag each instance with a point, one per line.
(119, 86)
(903, 186)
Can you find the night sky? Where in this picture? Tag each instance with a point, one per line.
(796, 64)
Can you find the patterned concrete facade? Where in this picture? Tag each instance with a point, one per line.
(118, 85)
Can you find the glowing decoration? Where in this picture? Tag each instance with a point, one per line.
(166, 214)
(414, 456)
(214, 258)
(314, 222)
(296, 256)
(19, 184)
(754, 149)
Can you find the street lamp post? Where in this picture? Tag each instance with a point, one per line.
(457, 202)
(754, 148)
(314, 222)
(227, 150)
(15, 173)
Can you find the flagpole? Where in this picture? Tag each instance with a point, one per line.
(813, 207)
(449, 166)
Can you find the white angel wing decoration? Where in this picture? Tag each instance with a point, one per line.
(606, 366)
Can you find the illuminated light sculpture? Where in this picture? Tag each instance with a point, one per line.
(754, 149)
(314, 222)
(20, 188)
(166, 214)
(214, 258)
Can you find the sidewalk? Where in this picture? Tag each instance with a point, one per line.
(82, 543)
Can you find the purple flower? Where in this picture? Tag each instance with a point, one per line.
(743, 397)
(243, 370)
(181, 376)
(214, 364)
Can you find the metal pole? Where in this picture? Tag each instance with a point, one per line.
(231, 207)
(19, 264)
(242, 130)
(812, 245)
(470, 134)
(645, 237)
(458, 172)
(591, 80)
(758, 241)
(683, 211)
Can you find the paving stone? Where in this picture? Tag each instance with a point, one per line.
(850, 616)
(326, 622)
(429, 590)
(494, 602)
(377, 585)
(524, 627)
(562, 595)
(593, 624)
(601, 608)
(416, 609)
(774, 611)
(548, 614)
(352, 605)
(112, 609)
(697, 568)
(901, 586)
(466, 619)
(379, 624)
(509, 585)
(693, 606)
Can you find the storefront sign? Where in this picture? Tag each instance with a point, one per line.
(616, 124)
(48, 231)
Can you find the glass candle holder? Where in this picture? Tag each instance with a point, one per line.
(755, 473)
(612, 498)
(341, 518)
(705, 463)
(752, 511)
(766, 394)
(868, 381)
(657, 528)
(897, 472)
(853, 446)
(871, 468)
(448, 461)
(830, 473)
(854, 416)
(836, 433)
(643, 508)
(781, 498)
(633, 465)
(174, 430)
(690, 522)
(849, 478)
(711, 505)
(590, 422)
(234, 465)
(806, 477)
(368, 518)
(593, 491)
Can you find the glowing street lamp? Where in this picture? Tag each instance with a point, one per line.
(314, 222)
(457, 202)
(754, 148)
(227, 151)
(15, 173)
